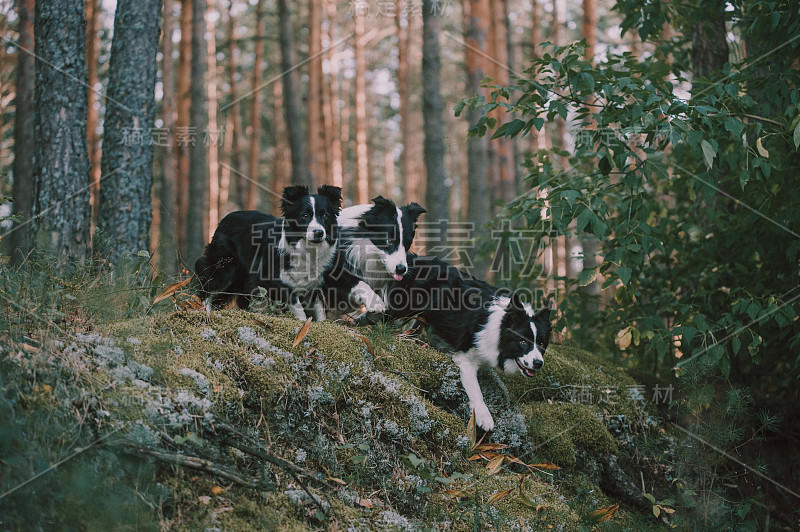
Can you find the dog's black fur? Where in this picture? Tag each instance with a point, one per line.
(252, 250)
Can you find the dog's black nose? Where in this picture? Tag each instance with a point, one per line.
(400, 269)
(537, 364)
(319, 234)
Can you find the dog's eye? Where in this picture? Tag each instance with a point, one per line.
(523, 343)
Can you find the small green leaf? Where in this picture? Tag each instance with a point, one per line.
(736, 344)
(587, 277)
(624, 274)
(708, 152)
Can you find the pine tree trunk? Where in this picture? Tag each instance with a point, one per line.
(126, 208)
(281, 160)
(93, 9)
(314, 128)
(479, 207)
(182, 128)
(238, 160)
(197, 220)
(538, 138)
(166, 245)
(24, 140)
(254, 129)
(301, 175)
(709, 41)
(437, 193)
(212, 137)
(333, 143)
(589, 28)
(503, 147)
(410, 174)
(62, 158)
(362, 155)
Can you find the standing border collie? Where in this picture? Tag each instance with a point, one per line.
(286, 256)
(484, 325)
(373, 243)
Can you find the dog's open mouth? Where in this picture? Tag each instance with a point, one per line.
(525, 371)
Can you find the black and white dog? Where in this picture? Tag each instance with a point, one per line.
(373, 244)
(285, 256)
(485, 326)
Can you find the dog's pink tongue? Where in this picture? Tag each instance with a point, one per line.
(397, 277)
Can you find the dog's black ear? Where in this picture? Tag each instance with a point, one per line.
(334, 195)
(386, 203)
(544, 314)
(291, 195)
(414, 210)
(516, 302)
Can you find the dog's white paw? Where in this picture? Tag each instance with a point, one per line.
(483, 418)
(362, 294)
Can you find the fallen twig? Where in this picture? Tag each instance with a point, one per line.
(194, 462)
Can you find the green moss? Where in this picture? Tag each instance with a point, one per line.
(558, 429)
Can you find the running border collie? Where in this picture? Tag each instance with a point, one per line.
(373, 243)
(484, 325)
(286, 256)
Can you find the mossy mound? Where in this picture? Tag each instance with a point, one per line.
(239, 429)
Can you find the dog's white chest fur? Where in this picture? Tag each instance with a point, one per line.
(306, 264)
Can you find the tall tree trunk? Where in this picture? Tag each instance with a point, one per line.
(301, 175)
(362, 155)
(93, 9)
(407, 133)
(539, 140)
(281, 160)
(254, 129)
(436, 192)
(314, 128)
(478, 204)
(182, 128)
(503, 148)
(62, 158)
(589, 28)
(166, 245)
(212, 138)
(709, 41)
(126, 209)
(333, 143)
(197, 220)
(557, 37)
(24, 140)
(238, 159)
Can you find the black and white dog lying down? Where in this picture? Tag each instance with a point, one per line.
(373, 243)
(485, 326)
(286, 256)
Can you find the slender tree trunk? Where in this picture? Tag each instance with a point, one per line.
(539, 139)
(24, 139)
(407, 133)
(213, 136)
(238, 159)
(254, 130)
(709, 42)
(182, 128)
(125, 205)
(281, 160)
(503, 147)
(93, 8)
(362, 156)
(166, 249)
(62, 158)
(437, 191)
(197, 220)
(344, 131)
(589, 28)
(479, 204)
(314, 129)
(301, 175)
(333, 143)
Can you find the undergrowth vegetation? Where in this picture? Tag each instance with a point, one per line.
(117, 413)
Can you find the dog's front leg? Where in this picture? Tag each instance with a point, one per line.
(319, 310)
(469, 379)
(363, 294)
(297, 308)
